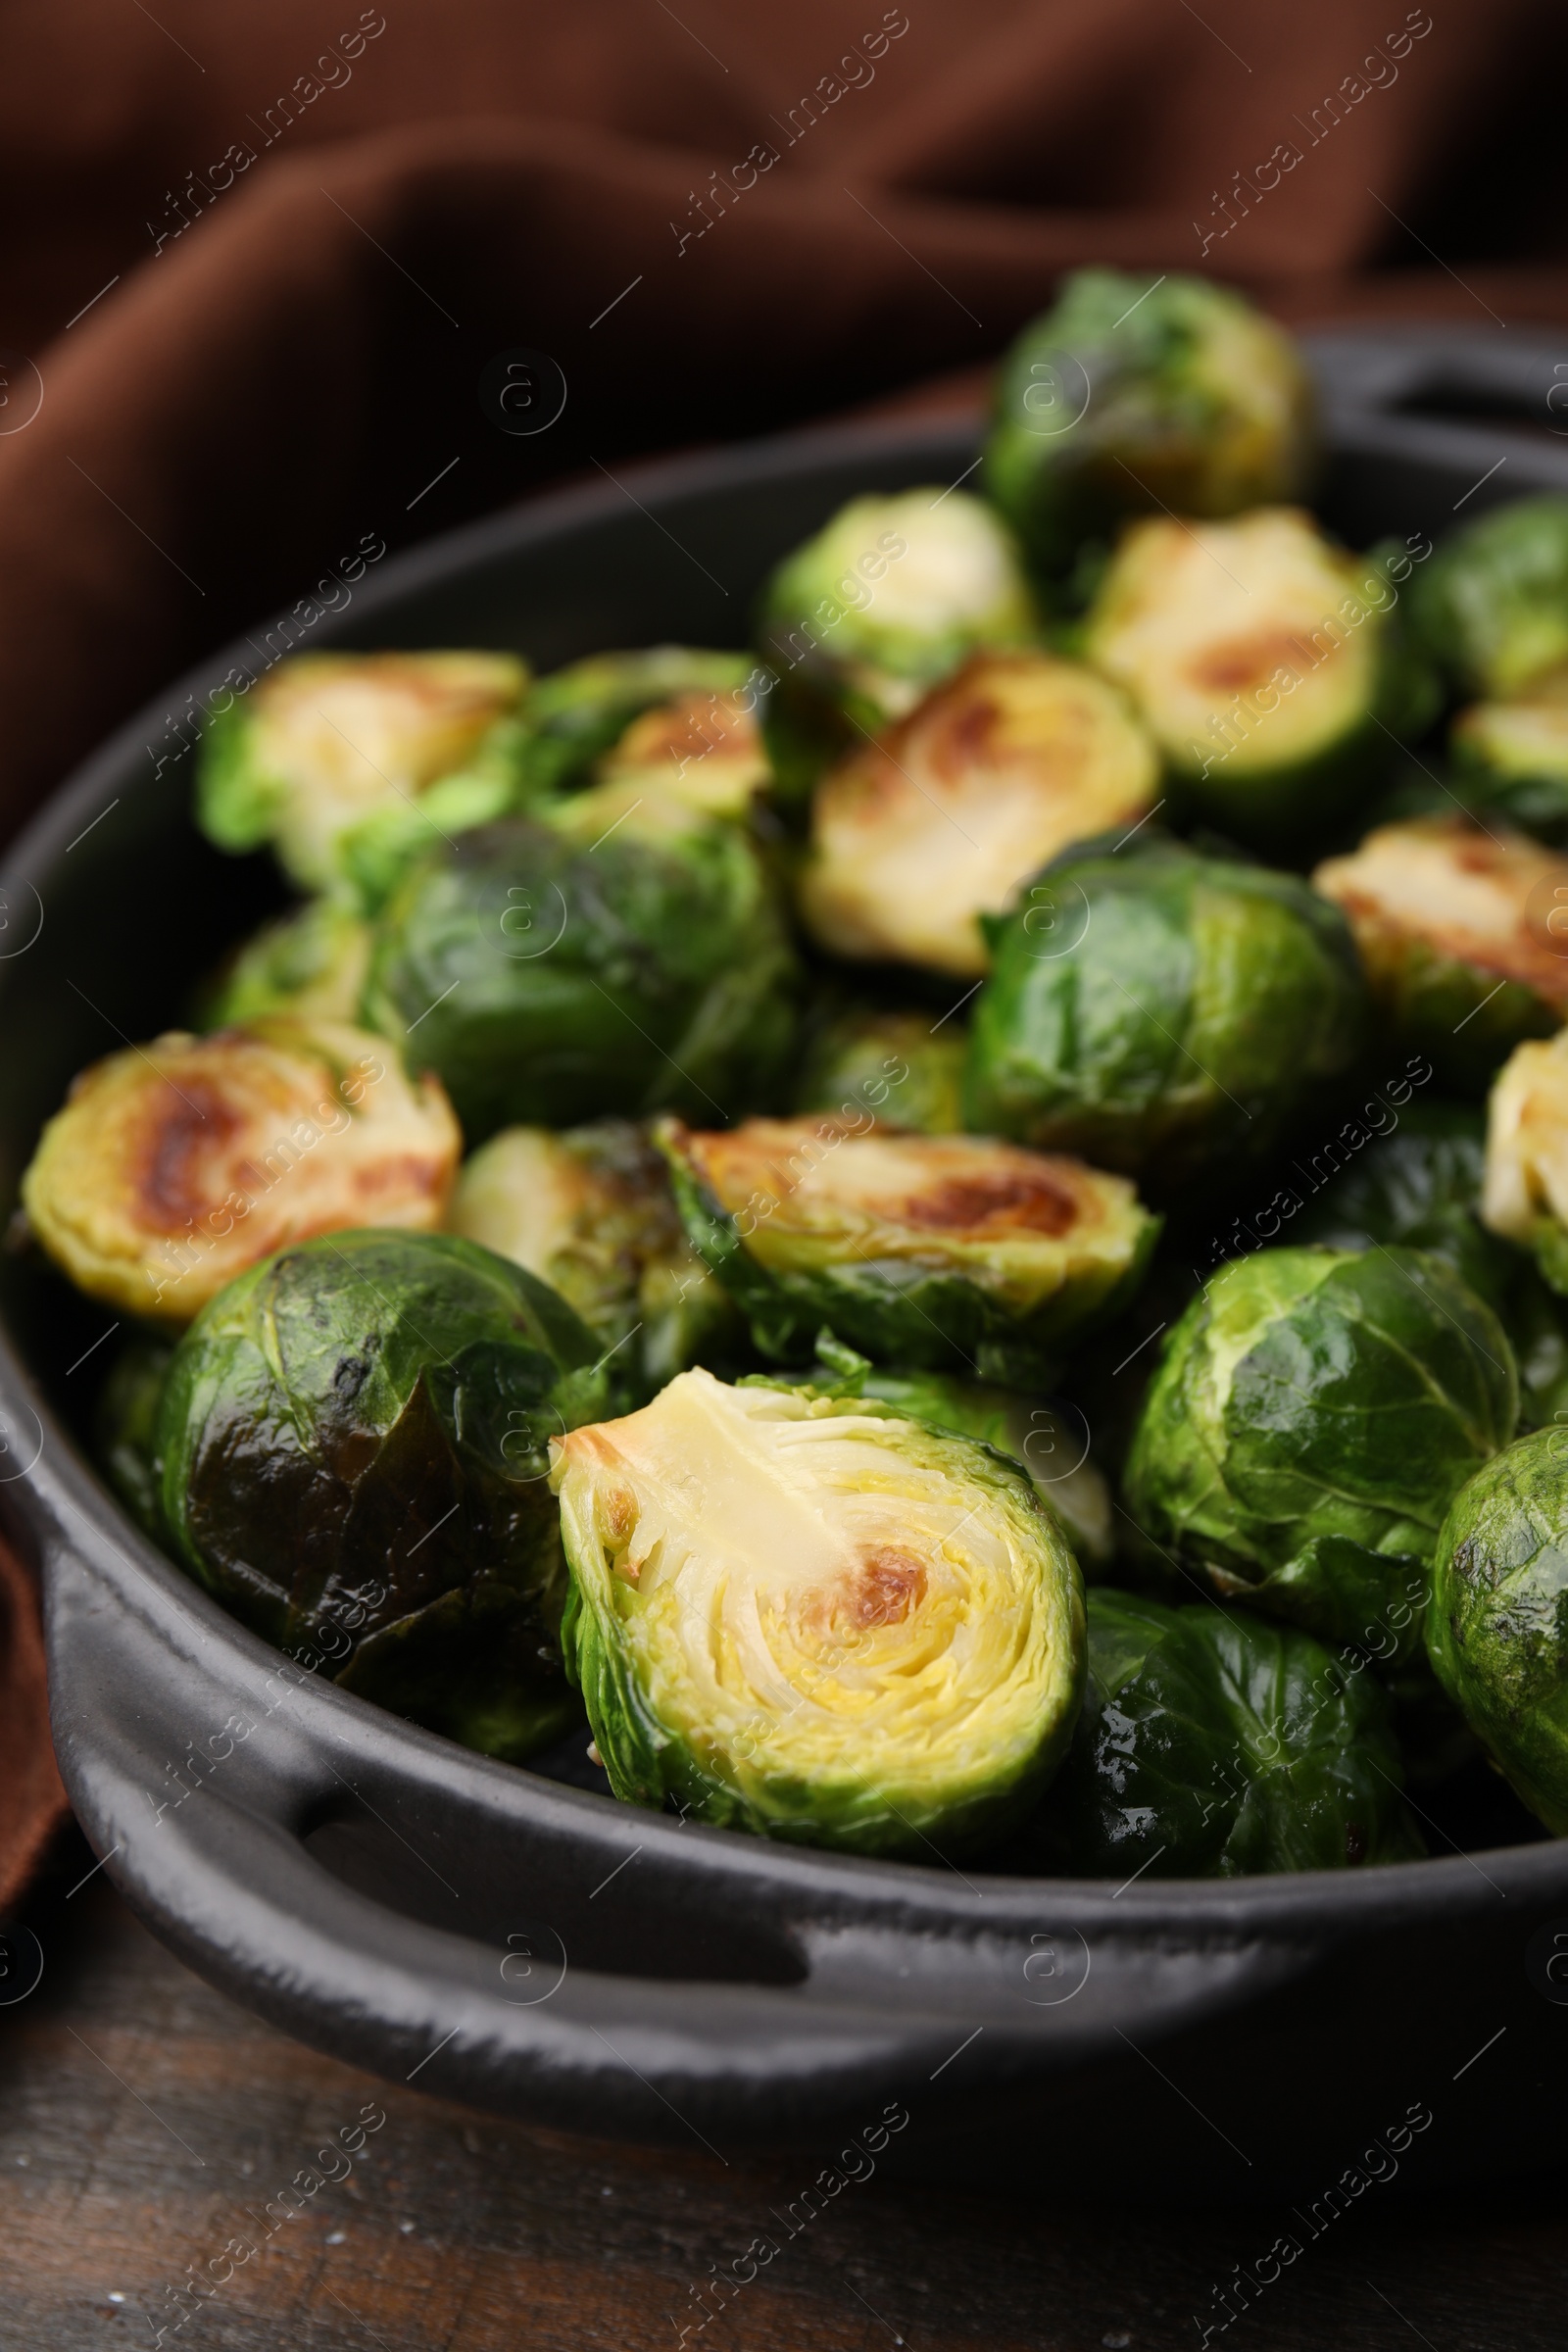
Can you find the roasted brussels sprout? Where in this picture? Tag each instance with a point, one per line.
(1497, 1629)
(1265, 662)
(591, 1213)
(310, 963)
(554, 972)
(890, 598)
(327, 739)
(354, 1461)
(1453, 926)
(902, 1065)
(681, 713)
(1128, 395)
(125, 1427)
(1526, 1192)
(174, 1166)
(1491, 607)
(1213, 1745)
(922, 1251)
(916, 836)
(815, 1618)
(1049, 1444)
(1159, 1009)
(1313, 1415)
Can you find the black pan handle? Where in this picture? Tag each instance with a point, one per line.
(492, 1936)
(1446, 396)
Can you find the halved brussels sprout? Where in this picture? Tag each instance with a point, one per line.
(914, 836)
(353, 1460)
(1265, 663)
(1128, 395)
(1513, 755)
(1159, 1011)
(1492, 604)
(327, 740)
(592, 1213)
(1453, 924)
(1049, 1444)
(704, 748)
(588, 719)
(1213, 1745)
(1526, 1193)
(176, 1165)
(816, 1619)
(125, 1427)
(310, 963)
(597, 963)
(1497, 1627)
(920, 1249)
(900, 1064)
(891, 597)
(1313, 1414)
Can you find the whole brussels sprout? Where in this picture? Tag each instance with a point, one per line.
(1268, 663)
(554, 972)
(1491, 607)
(1313, 1414)
(1497, 1627)
(683, 711)
(1127, 395)
(815, 1618)
(1160, 1010)
(1212, 1746)
(327, 739)
(125, 1427)
(917, 836)
(176, 1165)
(887, 600)
(919, 1250)
(1512, 757)
(353, 1459)
(900, 1064)
(591, 1213)
(310, 963)
(1452, 923)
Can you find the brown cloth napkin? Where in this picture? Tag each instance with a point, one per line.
(259, 258)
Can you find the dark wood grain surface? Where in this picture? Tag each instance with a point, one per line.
(146, 2123)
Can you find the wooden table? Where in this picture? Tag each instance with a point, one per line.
(145, 2122)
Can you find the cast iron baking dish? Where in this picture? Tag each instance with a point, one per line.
(505, 1937)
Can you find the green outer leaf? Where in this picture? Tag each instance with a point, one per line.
(1215, 1745)
(354, 1440)
(1198, 1000)
(1312, 1415)
(650, 1760)
(1498, 1626)
(893, 1308)
(662, 975)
